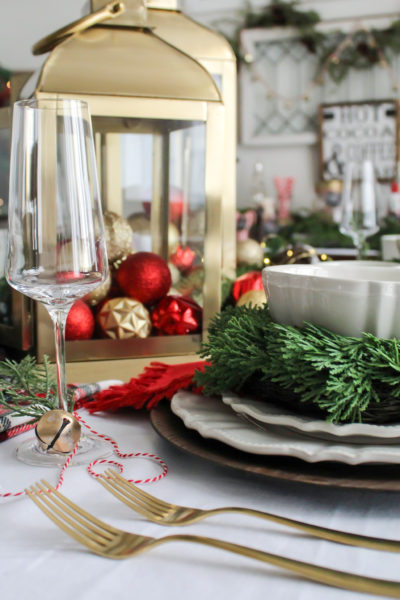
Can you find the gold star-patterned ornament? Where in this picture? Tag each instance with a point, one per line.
(122, 318)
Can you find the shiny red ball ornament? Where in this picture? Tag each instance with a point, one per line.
(249, 281)
(80, 322)
(183, 258)
(144, 276)
(176, 315)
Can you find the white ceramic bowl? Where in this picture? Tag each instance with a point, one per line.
(347, 297)
(390, 246)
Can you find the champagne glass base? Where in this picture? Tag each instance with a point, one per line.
(90, 448)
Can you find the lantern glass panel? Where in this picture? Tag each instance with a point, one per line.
(153, 174)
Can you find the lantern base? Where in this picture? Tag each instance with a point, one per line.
(90, 448)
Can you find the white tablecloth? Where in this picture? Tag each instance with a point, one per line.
(38, 561)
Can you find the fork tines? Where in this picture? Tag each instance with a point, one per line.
(132, 496)
(76, 522)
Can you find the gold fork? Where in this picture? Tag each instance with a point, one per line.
(111, 542)
(165, 513)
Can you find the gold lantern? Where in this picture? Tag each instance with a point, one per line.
(158, 120)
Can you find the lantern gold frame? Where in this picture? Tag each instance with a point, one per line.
(165, 84)
(214, 52)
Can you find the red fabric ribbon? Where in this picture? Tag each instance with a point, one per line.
(158, 381)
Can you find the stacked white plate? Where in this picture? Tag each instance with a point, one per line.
(260, 428)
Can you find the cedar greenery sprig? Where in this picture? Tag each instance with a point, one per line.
(27, 388)
(348, 379)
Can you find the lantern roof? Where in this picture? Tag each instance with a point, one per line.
(193, 38)
(164, 4)
(123, 60)
(175, 27)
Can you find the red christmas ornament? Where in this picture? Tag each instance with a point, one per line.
(176, 315)
(249, 281)
(80, 322)
(183, 258)
(144, 276)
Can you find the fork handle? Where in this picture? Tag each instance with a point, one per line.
(325, 533)
(332, 577)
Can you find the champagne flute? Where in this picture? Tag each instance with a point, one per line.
(359, 204)
(57, 250)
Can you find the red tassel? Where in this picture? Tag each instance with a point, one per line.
(158, 381)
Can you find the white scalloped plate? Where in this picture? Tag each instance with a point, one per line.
(354, 433)
(212, 419)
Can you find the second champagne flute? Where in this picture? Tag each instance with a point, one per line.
(359, 204)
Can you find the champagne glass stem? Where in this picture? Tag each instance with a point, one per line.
(59, 319)
(361, 247)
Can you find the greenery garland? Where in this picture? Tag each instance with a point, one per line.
(343, 379)
(319, 230)
(362, 53)
(28, 389)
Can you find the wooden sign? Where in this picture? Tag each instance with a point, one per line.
(356, 131)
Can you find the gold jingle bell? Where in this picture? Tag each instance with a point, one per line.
(58, 431)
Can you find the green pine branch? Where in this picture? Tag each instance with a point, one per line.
(27, 388)
(347, 379)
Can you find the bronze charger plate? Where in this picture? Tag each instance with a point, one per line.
(368, 477)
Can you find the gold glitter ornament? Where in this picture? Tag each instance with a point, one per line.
(122, 318)
(58, 432)
(253, 297)
(174, 238)
(175, 273)
(249, 252)
(98, 293)
(140, 225)
(118, 234)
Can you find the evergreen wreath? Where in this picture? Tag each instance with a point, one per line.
(315, 371)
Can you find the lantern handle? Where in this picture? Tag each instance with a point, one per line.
(109, 11)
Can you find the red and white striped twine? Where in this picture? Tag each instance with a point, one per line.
(90, 469)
